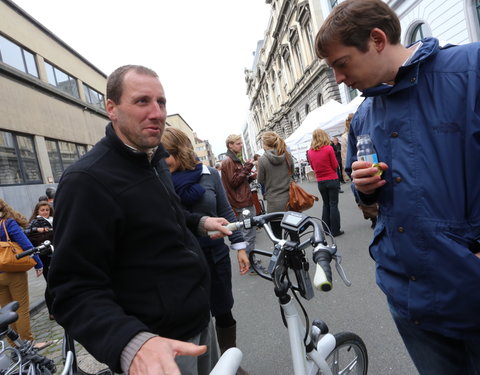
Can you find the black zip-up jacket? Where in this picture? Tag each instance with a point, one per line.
(124, 259)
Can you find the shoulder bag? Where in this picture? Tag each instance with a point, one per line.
(8, 261)
(298, 199)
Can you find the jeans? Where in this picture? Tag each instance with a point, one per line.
(330, 214)
(434, 354)
(203, 364)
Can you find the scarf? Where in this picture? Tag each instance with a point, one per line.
(187, 186)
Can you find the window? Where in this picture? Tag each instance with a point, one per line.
(307, 109)
(319, 100)
(17, 57)
(63, 154)
(353, 93)
(297, 117)
(18, 160)
(93, 97)
(477, 6)
(62, 80)
(419, 32)
(333, 3)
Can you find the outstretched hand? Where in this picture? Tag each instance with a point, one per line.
(157, 356)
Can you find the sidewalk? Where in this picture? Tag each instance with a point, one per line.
(45, 329)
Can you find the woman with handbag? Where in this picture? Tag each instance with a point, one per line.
(201, 191)
(275, 167)
(40, 229)
(323, 161)
(14, 285)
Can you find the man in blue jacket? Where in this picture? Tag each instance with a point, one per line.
(422, 113)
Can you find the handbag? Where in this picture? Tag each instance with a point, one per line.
(298, 199)
(8, 261)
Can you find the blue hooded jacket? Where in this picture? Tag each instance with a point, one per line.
(426, 127)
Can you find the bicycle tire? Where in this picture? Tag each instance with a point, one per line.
(349, 356)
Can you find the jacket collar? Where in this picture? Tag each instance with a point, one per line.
(119, 146)
(233, 156)
(407, 75)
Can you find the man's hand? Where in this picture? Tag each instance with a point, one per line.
(217, 223)
(157, 356)
(364, 177)
(243, 262)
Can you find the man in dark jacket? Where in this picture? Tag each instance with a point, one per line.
(128, 276)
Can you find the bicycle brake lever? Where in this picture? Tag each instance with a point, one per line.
(340, 270)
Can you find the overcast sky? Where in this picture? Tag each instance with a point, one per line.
(198, 48)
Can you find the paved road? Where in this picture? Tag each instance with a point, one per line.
(360, 308)
(262, 337)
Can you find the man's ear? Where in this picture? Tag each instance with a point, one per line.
(110, 107)
(379, 39)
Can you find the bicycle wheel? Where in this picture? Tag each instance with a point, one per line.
(349, 356)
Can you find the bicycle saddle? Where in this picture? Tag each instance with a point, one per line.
(8, 315)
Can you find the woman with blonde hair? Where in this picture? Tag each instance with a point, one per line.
(201, 191)
(323, 161)
(14, 285)
(274, 169)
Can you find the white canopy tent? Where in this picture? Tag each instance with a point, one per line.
(329, 117)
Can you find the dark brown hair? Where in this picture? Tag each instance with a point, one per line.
(115, 80)
(351, 22)
(37, 207)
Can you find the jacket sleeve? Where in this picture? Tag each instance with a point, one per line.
(17, 235)
(235, 176)
(261, 172)
(224, 209)
(82, 269)
(333, 158)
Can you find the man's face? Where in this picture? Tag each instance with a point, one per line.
(139, 118)
(236, 147)
(358, 70)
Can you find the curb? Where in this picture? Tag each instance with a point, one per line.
(36, 306)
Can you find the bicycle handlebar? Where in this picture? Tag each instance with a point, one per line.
(35, 250)
(297, 222)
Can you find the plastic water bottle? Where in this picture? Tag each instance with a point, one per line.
(366, 151)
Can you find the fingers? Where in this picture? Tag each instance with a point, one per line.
(366, 177)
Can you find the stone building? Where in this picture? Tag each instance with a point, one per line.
(203, 149)
(52, 107)
(287, 81)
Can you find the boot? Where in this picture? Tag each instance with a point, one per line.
(227, 338)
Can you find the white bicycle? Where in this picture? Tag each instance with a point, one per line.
(314, 350)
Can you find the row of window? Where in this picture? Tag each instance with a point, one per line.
(19, 162)
(24, 60)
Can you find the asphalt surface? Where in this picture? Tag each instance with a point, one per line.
(261, 336)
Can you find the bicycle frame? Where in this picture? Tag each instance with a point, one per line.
(303, 363)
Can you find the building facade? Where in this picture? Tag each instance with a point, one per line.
(52, 107)
(287, 81)
(204, 151)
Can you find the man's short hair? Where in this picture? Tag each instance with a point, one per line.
(50, 192)
(232, 138)
(351, 22)
(115, 80)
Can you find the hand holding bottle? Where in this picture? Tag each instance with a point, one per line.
(367, 171)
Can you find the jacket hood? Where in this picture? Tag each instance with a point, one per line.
(273, 158)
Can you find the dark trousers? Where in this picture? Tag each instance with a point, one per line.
(330, 214)
(340, 171)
